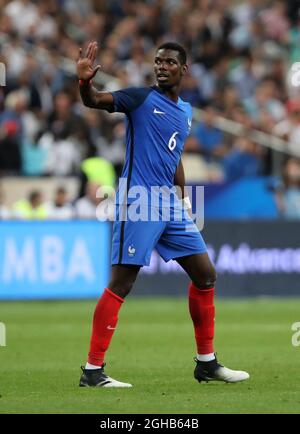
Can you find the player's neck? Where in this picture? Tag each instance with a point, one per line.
(172, 93)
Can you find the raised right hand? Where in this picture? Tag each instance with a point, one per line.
(85, 65)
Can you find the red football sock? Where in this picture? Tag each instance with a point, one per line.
(202, 310)
(104, 324)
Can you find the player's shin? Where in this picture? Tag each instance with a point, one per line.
(104, 324)
(202, 311)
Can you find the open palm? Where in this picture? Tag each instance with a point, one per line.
(85, 64)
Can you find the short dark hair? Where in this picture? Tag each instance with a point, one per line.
(176, 47)
(60, 189)
(33, 195)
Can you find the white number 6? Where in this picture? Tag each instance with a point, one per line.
(172, 142)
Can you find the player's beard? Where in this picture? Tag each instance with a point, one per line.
(165, 86)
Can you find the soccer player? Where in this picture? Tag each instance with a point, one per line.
(158, 122)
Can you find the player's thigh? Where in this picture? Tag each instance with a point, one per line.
(133, 242)
(180, 238)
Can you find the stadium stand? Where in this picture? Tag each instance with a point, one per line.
(241, 84)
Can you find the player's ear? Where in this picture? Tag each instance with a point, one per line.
(184, 69)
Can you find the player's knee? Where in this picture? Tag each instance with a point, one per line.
(207, 280)
(121, 287)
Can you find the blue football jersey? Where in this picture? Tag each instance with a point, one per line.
(156, 129)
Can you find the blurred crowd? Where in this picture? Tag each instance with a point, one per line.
(34, 206)
(91, 204)
(240, 54)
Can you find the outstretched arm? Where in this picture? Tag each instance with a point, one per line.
(91, 97)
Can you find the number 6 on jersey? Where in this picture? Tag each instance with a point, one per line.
(172, 142)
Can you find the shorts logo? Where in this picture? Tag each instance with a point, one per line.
(131, 250)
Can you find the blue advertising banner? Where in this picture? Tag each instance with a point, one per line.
(52, 260)
(42, 260)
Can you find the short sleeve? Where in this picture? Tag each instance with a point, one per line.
(127, 100)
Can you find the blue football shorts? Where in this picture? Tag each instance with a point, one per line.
(134, 241)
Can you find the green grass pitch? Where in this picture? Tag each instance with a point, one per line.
(153, 349)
